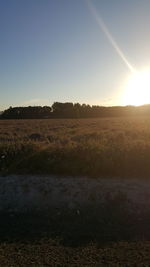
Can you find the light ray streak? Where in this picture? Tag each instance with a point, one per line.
(109, 36)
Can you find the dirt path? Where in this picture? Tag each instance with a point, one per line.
(22, 193)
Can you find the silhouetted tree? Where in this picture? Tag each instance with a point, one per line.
(36, 112)
(70, 110)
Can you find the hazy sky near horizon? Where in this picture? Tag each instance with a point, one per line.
(54, 50)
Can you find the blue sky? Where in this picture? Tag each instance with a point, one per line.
(54, 50)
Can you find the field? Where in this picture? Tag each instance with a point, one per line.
(91, 147)
(99, 234)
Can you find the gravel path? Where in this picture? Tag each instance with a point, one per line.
(23, 193)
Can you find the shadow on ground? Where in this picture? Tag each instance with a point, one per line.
(73, 228)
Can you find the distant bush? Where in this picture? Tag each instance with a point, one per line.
(35, 137)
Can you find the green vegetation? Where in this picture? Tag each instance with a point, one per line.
(93, 147)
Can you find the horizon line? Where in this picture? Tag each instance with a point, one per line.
(91, 105)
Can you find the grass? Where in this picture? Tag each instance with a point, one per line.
(92, 147)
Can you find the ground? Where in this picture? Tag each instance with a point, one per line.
(82, 194)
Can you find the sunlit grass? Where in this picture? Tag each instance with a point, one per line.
(94, 147)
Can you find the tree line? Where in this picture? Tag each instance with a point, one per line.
(71, 110)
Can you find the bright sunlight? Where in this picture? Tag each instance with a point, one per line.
(137, 89)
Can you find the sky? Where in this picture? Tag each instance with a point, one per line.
(56, 50)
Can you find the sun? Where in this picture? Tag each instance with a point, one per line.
(137, 89)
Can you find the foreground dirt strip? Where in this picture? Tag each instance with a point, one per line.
(50, 253)
(38, 193)
(87, 214)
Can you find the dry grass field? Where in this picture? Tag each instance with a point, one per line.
(109, 235)
(92, 147)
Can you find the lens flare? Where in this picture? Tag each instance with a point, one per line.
(109, 36)
(137, 89)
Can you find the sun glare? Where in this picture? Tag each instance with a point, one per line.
(137, 89)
